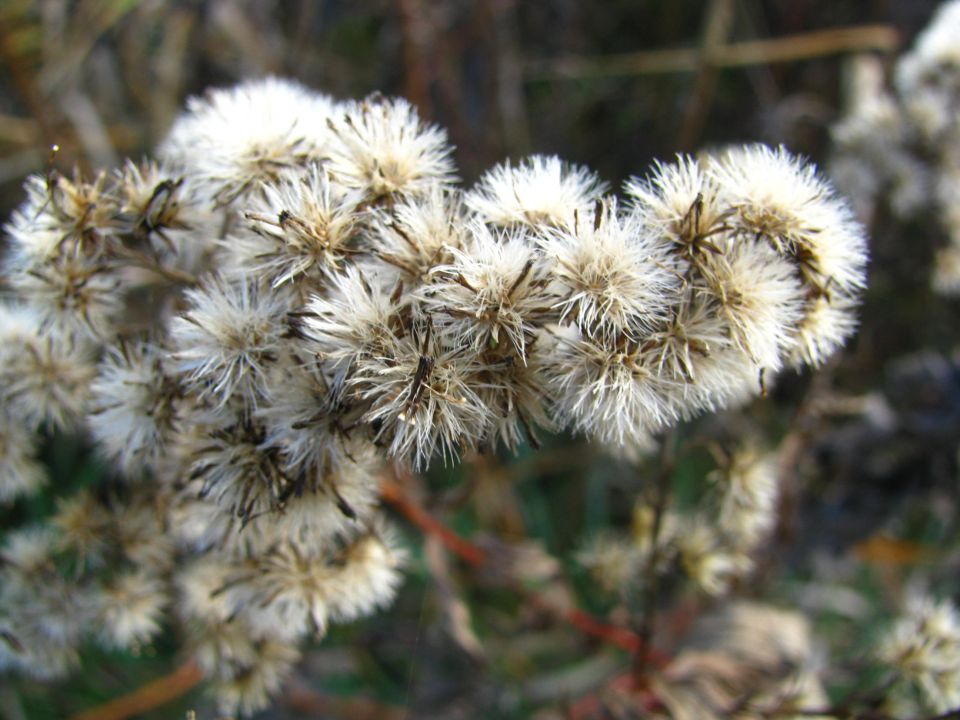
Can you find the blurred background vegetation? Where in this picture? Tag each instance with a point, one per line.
(868, 445)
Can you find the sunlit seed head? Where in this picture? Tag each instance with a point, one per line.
(420, 398)
(679, 204)
(419, 233)
(610, 277)
(778, 197)
(228, 337)
(493, 292)
(539, 191)
(304, 229)
(381, 148)
(232, 140)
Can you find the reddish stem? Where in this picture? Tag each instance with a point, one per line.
(393, 493)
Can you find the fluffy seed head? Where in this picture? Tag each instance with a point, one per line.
(232, 140)
(382, 149)
(303, 228)
(228, 337)
(493, 293)
(611, 278)
(539, 191)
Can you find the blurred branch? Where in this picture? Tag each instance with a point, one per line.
(147, 697)
(790, 48)
(717, 30)
(393, 493)
(314, 704)
(651, 586)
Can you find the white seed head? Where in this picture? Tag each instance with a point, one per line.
(611, 278)
(232, 140)
(493, 292)
(420, 397)
(20, 472)
(540, 190)
(227, 338)
(923, 646)
(133, 407)
(419, 233)
(381, 148)
(303, 229)
(129, 609)
(779, 198)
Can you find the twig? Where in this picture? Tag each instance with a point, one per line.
(393, 493)
(716, 32)
(789, 48)
(147, 697)
(651, 586)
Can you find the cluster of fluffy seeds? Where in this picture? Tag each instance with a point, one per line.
(902, 145)
(298, 290)
(923, 647)
(710, 546)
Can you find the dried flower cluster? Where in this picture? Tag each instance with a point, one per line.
(297, 289)
(903, 145)
(923, 648)
(710, 546)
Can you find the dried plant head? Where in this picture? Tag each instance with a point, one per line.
(680, 205)
(163, 212)
(21, 474)
(613, 560)
(247, 686)
(926, 77)
(292, 591)
(133, 406)
(419, 232)
(748, 489)
(492, 294)
(707, 562)
(923, 648)
(129, 609)
(826, 326)
(236, 471)
(44, 378)
(611, 279)
(516, 394)
(779, 198)
(381, 148)
(306, 415)
(304, 229)
(354, 319)
(421, 401)
(611, 392)
(233, 140)
(225, 341)
(541, 190)
(84, 529)
(758, 296)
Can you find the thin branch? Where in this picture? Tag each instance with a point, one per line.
(651, 580)
(790, 48)
(393, 493)
(147, 697)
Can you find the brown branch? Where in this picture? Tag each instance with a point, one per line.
(643, 656)
(393, 493)
(789, 48)
(147, 697)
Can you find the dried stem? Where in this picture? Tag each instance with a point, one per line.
(651, 575)
(393, 493)
(147, 697)
(790, 48)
